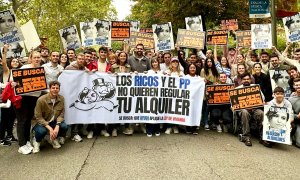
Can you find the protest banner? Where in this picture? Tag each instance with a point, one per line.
(146, 30)
(10, 31)
(280, 78)
(259, 9)
(276, 127)
(141, 38)
(287, 8)
(88, 33)
(243, 38)
(163, 36)
(29, 80)
(120, 30)
(135, 26)
(103, 32)
(190, 39)
(261, 36)
(194, 23)
(70, 38)
(292, 28)
(31, 37)
(218, 94)
(229, 24)
(15, 50)
(246, 97)
(125, 98)
(219, 37)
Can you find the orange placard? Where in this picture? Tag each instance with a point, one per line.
(218, 94)
(120, 30)
(217, 37)
(230, 24)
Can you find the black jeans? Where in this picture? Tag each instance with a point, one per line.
(8, 116)
(221, 112)
(24, 117)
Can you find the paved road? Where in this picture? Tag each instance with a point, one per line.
(210, 155)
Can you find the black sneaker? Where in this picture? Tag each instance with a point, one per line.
(5, 143)
(11, 139)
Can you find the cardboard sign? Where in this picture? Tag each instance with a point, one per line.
(243, 38)
(120, 30)
(292, 28)
(146, 30)
(29, 80)
(230, 24)
(190, 39)
(246, 97)
(163, 37)
(31, 37)
(218, 94)
(70, 38)
(141, 38)
(217, 37)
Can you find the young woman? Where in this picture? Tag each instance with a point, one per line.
(222, 65)
(8, 115)
(112, 58)
(63, 60)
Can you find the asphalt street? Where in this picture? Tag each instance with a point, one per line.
(209, 155)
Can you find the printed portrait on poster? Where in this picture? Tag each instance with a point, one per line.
(163, 36)
(194, 23)
(70, 37)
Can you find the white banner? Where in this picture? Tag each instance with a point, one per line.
(125, 98)
(276, 127)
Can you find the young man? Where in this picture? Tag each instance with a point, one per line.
(295, 101)
(71, 55)
(293, 73)
(138, 62)
(49, 118)
(52, 68)
(44, 55)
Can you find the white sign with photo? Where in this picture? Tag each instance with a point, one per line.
(70, 38)
(280, 78)
(135, 26)
(194, 23)
(163, 36)
(103, 32)
(261, 36)
(292, 27)
(88, 33)
(15, 50)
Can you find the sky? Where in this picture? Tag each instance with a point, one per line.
(123, 8)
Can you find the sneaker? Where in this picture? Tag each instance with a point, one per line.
(248, 141)
(61, 140)
(195, 132)
(225, 128)
(175, 130)
(104, 133)
(114, 133)
(55, 144)
(128, 131)
(24, 150)
(90, 135)
(219, 129)
(149, 135)
(206, 127)
(168, 131)
(157, 134)
(77, 138)
(36, 146)
(4, 142)
(11, 139)
(28, 144)
(214, 126)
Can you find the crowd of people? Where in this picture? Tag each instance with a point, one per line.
(40, 115)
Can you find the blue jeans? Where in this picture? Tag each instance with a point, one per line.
(41, 131)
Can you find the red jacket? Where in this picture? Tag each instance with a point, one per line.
(93, 65)
(9, 93)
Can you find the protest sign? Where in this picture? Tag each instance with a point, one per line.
(276, 127)
(280, 78)
(103, 32)
(261, 36)
(292, 27)
(120, 30)
(259, 9)
(146, 30)
(163, 36)
(126, 98)
(10, 31)
(190, 39)
(230, 24)
(31, 37)
(217, 37)
(194, 23)
(15, 50)
(29, 80)
(243, 38)
(246, 97)
(141, 38)
(70, 38)
(218, 94)
(88, 33)
(135, 26)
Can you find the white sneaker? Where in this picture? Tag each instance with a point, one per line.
(90, 135)
(175, 130)
(24, 150)
(219, 129)
(28, 144)
(128, 131)
(104, 133)
(55, 144)
(61, 140)
(206, 127)
(77, 138)
(36, 146)
(114, 133)
(168, 131)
